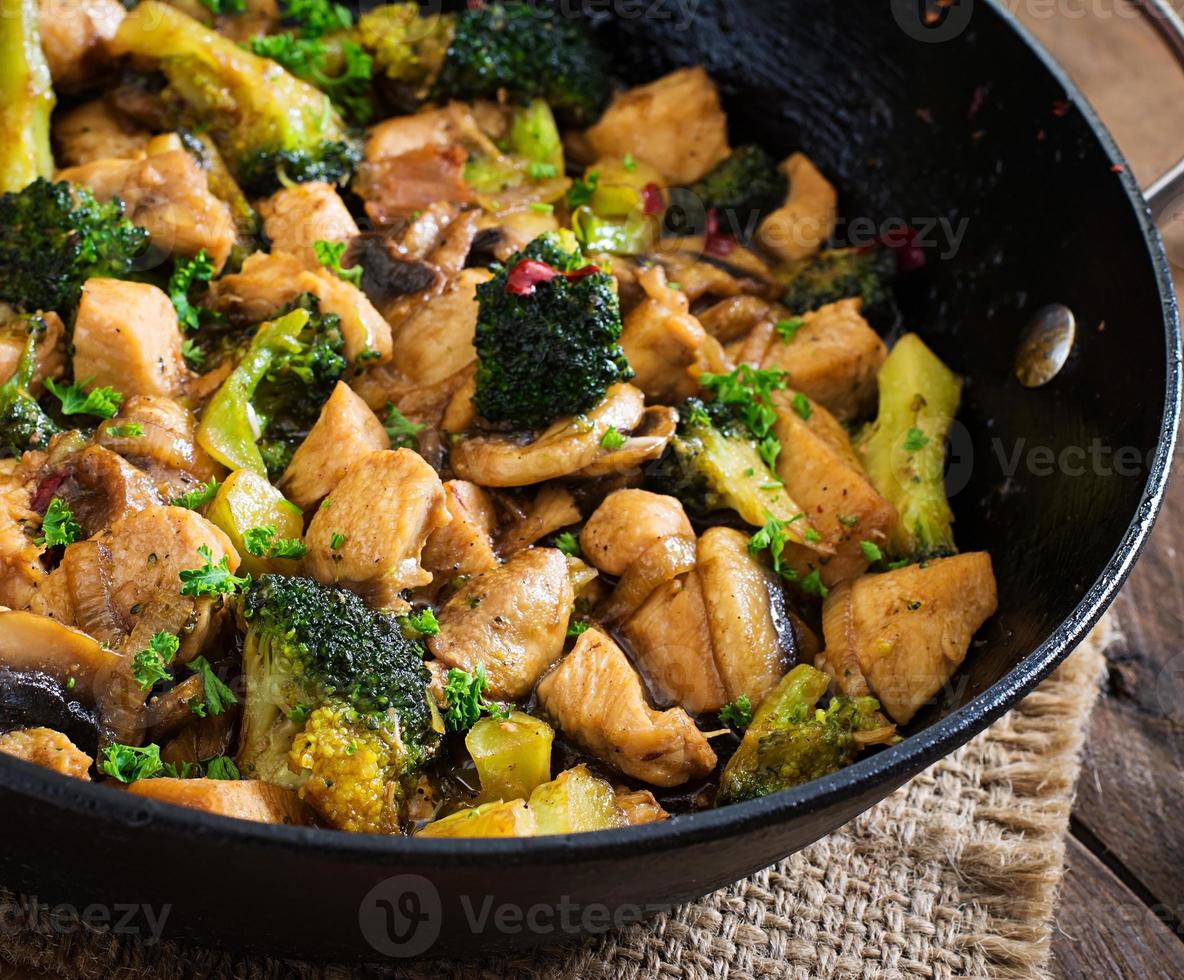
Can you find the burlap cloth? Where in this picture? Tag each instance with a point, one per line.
(954, 875)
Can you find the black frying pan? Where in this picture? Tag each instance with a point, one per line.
(963, 120)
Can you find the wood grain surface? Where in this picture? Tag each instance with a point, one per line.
(1122, 907)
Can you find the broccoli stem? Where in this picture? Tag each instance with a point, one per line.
(26, 99)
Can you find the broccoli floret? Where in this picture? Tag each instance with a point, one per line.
(55, 236)
(26, 99)
(526, 52)
(23, 423)
(265, 407)
(740, 189)
(547, 339)
(791, 741)
(713, 463)
(841, 273)
(903, 450)
(337, 703)
(408, 48)
(269, 126)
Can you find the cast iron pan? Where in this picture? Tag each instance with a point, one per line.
(965, 120)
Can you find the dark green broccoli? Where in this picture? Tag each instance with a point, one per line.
(547, 338)
(790, 741)
(265, 407)
(23, 423)
(53, 237)
(839, 274)
(743, 187)
(26, 98)
(526, 52)
(337, 702)
(269, 126)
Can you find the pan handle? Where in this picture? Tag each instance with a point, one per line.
(1163, 191)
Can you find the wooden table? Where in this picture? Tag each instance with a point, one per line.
(1121, 912)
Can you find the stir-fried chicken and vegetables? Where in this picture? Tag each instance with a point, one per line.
(409, 429)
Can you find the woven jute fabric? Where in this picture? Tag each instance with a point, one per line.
(953, 875)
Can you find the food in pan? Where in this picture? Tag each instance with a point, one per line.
(411, 430)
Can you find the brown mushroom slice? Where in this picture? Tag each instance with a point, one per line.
(638, 806)
(568, 446)
(798, 228)
(244, 799)
(49, 749)
(904, 633)
(512, 619)
(596, 699)
(736, 592)
(29, 642)
(646, 443)
(553, 507)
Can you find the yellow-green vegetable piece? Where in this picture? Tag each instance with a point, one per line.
(512, 755)
(573, 802)
(499, 819)
(904, 449)
(247, 500)
(26, 98)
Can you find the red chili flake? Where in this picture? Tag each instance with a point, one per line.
(932, 17)
(925, 116)
(1060, 108)
(530, 272)
(909, 255)
(1117, 168)
(45, 491)
(976, 101)
(1041, 136)
(716, 244)
(651, 199)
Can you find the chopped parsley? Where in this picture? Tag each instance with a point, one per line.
(307, 56)
(222, 767)
(130, 763)
(612, 439)
(336, 540)
(199, 496)
(132, 430)
(401, 430)
(871, 550)
(748, 391)
(801, 405)
(194, 355)
(915, 440)
(198, 269)
(464, 697)
(787, 329)
(581, 190)
(423, 622)
(212, 578)
(541, 207)
(541, 171)
(568, 544)
(812, 584)
(577, 627)
(629, 163)
(262, 543)
(737, 714)
(58, 526)
(216, 696)
(151, 664)
(848, 520)
(329, 254)
(225, 6)
(774, 536)
(103, 402)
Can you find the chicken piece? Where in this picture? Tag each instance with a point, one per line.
(671, 640)
(74, 36)
(295, 217)
(344, 432)
(50, 349)
(396, 187)
(49, 749)
(737, 592)
(553, 508)
(437, 128)
(95, 131)
(513, 619)
(436, 341)
(168, 195)
(464, 546)
(21, 571)
(244, 799)
(638, 806)
(665, 345)
(268, 282)
(105, 488)
(569, 445)
(822, 473)
(644, 444)
(736, 316)
(626, 524)
(369, 534)
(675, 124)
(126, 335)
(834, 358)
(905, 632)
(798, 228)
(596, 698)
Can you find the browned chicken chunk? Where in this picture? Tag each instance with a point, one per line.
(799, 227)
(907, 631)
(295, 217)
(596, 699)
(245, 799)
(513, 619)
(463, 546)
(74, 36)
(96, 131)
(49, 749)
(626, 524)
(368, 535)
